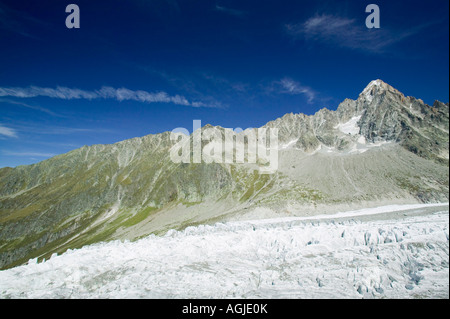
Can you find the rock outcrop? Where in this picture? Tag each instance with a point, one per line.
(382, 147)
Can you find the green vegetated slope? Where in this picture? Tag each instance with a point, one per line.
(130, 189)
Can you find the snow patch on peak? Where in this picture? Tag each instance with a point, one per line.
(362, 140)
(367, 92)
(289, 144)
(350, 127)
(374, 83)
(377, 83)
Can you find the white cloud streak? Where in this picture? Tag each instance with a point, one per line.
(346, 33)
(33, 107)
(289, 86)
(234, 12)
(28, 154)
(106, 92)
(7, 132)
(58, 130)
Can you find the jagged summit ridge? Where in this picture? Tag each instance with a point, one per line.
(377, 86)
(380, 114)
(382, 147)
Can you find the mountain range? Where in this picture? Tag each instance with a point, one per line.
(382, 148)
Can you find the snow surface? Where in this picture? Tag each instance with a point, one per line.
(401, 256)
(289, 144)
(351, 127)
(367, 91)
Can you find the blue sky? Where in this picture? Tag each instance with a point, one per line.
(141, 67)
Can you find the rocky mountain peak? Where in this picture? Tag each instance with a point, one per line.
(380, 114)
(377, 87)
(132, 188)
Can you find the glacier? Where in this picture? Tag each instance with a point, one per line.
(386, 252)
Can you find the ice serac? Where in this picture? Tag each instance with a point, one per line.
(382, 148)
(390, 252)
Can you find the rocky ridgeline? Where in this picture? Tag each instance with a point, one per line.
(381, 114)
(132, 188)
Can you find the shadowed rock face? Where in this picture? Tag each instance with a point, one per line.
(380, 114)
(381, 147)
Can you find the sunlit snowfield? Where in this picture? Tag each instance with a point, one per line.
(373, 253)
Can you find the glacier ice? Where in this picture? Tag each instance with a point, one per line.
(335, 256)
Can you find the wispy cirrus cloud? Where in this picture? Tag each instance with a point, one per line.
(7, 132)
(347, 33)
(31, 128)
(230, 11)
(200, 85)
(120, 94)
(292, 87)
(19, 22)
(32, 107)
(28, 154)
